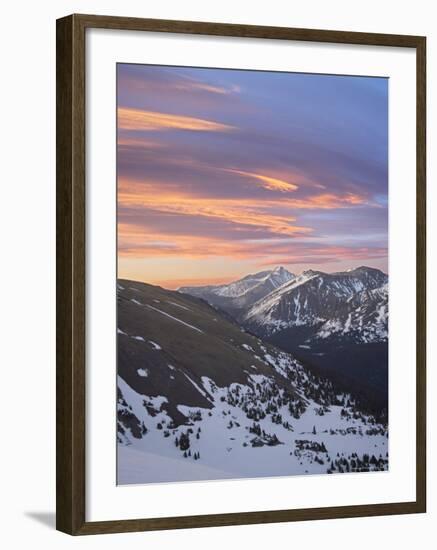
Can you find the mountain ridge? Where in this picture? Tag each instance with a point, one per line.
(313, 298)
(337, 323)
(239, 294)
(199, 397)
(273, 300)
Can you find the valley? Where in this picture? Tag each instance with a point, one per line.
(204, 395)
(337, 323)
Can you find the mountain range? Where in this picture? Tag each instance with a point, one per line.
(336, 322)
(200, 396)
(239, 295)
(351, 305)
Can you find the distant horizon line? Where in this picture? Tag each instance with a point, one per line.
(239, 277)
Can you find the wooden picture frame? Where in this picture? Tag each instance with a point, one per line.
(71, 254)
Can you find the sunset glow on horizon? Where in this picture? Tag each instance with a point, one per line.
(221, 173)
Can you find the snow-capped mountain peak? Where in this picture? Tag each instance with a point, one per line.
(279, 276)
(311, 273)
(327, 300)
(281, 273)
(276, 277)
(244, 292)
(198, 397)
(346, 305)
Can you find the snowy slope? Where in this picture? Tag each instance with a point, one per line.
(199, 398)
(351, 304)
(241, 294)
(365, 319)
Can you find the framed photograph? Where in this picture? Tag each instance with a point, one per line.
(240, 274)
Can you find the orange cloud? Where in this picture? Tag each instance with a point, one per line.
(274, 184)
(255, 223)
(196, 85)
(137, 241)
(137, 119)
(251, 213)
(150, 194)
(326, 201)
(327, 255)
(124, 141)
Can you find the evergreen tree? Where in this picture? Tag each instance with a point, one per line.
(184, 441)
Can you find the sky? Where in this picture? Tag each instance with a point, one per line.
(221, 173)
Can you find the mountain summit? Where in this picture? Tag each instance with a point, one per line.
(198, 397)
(343, 303)
(337, 322)
(350, 304)
(241, 294)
